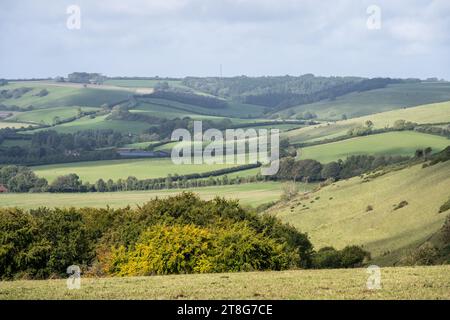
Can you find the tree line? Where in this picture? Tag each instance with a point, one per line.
(49, 146)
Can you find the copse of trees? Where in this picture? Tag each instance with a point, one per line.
(21, 179)
(84, 77)
(180, 234)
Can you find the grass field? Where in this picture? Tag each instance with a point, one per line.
(337, 214)
(99, 123)
(396, 283)
(46, 116)
(403, 143)
(392, 97)
(63, 95)
(424, 114)
(252, 194)
(115, 169)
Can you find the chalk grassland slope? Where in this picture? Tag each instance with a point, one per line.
(252, 194)
(403, 143)
(337, 215)
(116, 169)
(392, 97)
(46, 116)
(397, 283)
(59, 96)
(424, 114)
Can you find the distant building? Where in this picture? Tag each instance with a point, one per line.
(3, 189)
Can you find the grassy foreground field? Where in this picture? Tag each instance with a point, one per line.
(252, 194)
(396, 283)
(403, 143)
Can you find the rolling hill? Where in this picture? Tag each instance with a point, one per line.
(401, 143)
(394, 96)
(424, 114)
(339, 214)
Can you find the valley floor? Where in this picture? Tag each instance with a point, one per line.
(396, 283)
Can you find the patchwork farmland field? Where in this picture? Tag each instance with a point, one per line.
(122, 169)
(62, 95)
(338, 214)
(46, 116)
(252, 194)
(397, 283)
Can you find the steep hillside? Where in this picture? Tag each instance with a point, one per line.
(363, 211)
(402, 143)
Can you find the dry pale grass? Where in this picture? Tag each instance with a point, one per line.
(397, 283)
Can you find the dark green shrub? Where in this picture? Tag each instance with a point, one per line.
(327, 258)
(445, 207)
(353, 256)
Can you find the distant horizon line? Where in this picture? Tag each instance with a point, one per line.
(155, 77)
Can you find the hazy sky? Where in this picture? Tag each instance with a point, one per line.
(251, 37)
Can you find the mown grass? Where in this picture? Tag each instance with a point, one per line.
(403, 143)
(115, 169)
(337, 215)
(396, 283)
(252, 194)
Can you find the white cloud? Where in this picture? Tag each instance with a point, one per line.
(192, 37)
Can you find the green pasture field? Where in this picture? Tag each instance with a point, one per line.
(46, 116)
(424, 114)
(115, 169)
(252, 194)
(63, 95)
